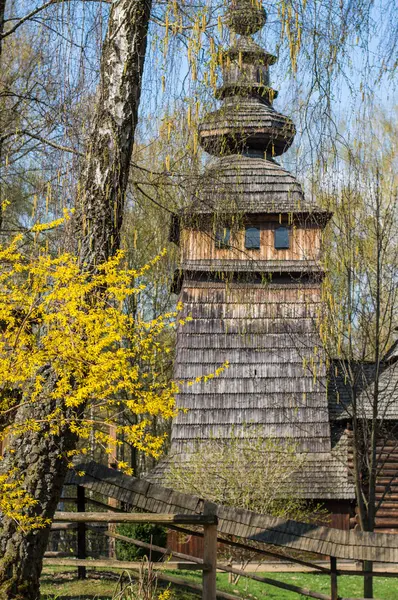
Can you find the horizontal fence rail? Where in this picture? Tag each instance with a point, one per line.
(162, 519)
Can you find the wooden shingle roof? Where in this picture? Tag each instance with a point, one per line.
(246, 122)
(340, 392)
(242, 185)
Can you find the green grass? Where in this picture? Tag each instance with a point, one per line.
(384, 588)
(61, 584)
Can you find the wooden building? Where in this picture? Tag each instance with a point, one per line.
(251, 279)
(342, 413)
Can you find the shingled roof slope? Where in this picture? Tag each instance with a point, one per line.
(320, 475)
(388, 395)
(340, 390)
(340, 387)
(242, 184)
(246, 121)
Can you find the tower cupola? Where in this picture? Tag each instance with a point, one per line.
(245, 135)
(246, 121)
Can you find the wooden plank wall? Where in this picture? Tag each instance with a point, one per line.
(200, 245)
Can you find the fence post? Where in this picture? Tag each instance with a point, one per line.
(210, 555)
(333, 578)
(81, 532)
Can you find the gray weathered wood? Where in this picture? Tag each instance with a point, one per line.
(189, 585)
(344, 544)
(260, 551)
(210, 554)
(120, 564)
(279, 584)
(109, 517)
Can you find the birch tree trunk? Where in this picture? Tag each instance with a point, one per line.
(104, 179)
(100, 200)
(2, 17)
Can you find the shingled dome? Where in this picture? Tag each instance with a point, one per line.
(246, 123)
(246, 133)
(248, 185)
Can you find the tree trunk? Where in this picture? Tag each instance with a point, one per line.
(374, 437)
(2, 17)
(98, 221)
(102, 188)
(40, 458)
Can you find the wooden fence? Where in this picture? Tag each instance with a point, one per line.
(208, 565)
(207, 521)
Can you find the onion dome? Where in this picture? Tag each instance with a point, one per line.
(246, 119)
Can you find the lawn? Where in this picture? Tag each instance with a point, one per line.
(63, 585)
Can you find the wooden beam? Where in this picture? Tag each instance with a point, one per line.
(63, 526)
(103, 517)
(120, 564)
(363, 573)
(256, 550)
(196, 587)
(279, 584)
(200, 561)
(51, 554)
(333, 578)
(81, 531)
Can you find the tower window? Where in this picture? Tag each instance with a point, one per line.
(223, 236)
(252, 238)
(282, 238)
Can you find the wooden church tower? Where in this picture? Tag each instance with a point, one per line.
(251, 279)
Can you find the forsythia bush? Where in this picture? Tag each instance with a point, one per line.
(54, 315)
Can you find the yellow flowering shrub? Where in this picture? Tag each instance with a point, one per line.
(54, 314)
(15, 501)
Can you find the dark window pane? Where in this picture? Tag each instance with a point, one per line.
(281, 238)
(222, 237)
(252, 238)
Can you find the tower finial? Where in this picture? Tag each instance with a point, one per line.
(246, 123)
(246, 16)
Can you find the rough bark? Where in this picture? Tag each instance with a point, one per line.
(40, 458)
(2, 17)
(104, 178)
(100, 200)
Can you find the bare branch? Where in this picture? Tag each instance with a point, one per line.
(36, 11)
(42, 139)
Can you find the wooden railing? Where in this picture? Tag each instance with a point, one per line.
(208, 520)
